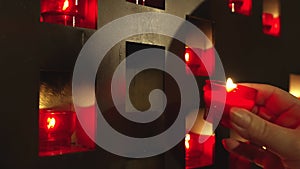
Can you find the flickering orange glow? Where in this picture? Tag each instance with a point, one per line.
(66, 5)
(187, 139)
(230, 85)
(51, 122)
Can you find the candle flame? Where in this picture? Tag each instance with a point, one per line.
(66, 5)
(187, 139)
(187, 57)
(230, 85)
(232, 7)
(51, 122)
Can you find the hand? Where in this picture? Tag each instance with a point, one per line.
(273, 123)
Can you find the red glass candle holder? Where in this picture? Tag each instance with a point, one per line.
(76, 13)
(203, 65)
(240, 6)
(60, 11)
(198, 154)
(240, 96)
(271, 24)
(55, 129)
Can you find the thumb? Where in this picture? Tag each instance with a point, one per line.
(257, 130)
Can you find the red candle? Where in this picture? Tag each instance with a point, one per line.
(236, 96)
(240, 6)
(271, 24)
(55, 129)
(76, 13)
(60, 11)
(202, 65)
(198, 154)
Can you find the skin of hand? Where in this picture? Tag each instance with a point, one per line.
(274, 123)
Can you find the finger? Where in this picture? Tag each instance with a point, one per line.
(290, 118)
(262, 132)
(264, 113)
(273, 98)
(264, 91)
(245, 150)
(253, 153)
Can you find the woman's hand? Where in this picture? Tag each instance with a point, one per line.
(273, 123)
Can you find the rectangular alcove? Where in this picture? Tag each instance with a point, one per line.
(59, 129)
(160, 4)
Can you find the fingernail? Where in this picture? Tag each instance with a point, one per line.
(240, 117)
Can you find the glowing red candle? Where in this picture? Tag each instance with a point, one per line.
(198, 154)
(236, 96)
(271, 24)
(55, 128)
(240, 6)
(76, 13)
(202, 65)
(59, 11)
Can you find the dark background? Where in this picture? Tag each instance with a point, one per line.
(28, 46)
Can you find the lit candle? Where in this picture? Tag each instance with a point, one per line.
(198, 154)
(59, 11)
(230, 85)
(236, 96)
(55, 128)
